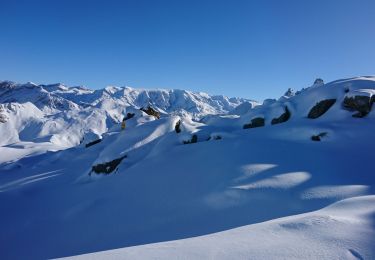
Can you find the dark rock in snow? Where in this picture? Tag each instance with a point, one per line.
(361, 104)
(177, 127)
(319, 82)
(289, 93)
(3, 118)
(93, 143)
(255, 122)
(108, 167)
(318, 137)
(320, 108)
(193, 140)
(152, 112)
(283, 118)
(128, 116)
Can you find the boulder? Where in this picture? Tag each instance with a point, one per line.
(283, 118)
(320, 108)
(90, 138)
(361, 104)
(3, 118)
(318, 137)
(177, 127)
(151, 111)
(107, 167)
(128, 116)
(318, 82)
(289, 93)
(193, 139)
(255, 122)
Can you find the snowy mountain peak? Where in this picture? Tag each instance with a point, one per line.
(80, 109)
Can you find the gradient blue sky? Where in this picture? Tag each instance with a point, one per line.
(253, 49)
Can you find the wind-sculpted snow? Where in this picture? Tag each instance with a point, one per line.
(261, 193)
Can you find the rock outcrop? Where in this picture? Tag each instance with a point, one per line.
(193, 139)
(177, 127)
(320, 108)
(93, 143)
(283, 118)
(289, 93)
(360, 103)
(318, 137)
(255, 122)
(128, 116)
(150, 111)
(108, 167)
(318, 82)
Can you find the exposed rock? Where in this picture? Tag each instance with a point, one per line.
(361, 104)
(3, 118)
(283, 118)
(129, 115)
(108, 167)
(90, 138)
(255, 122)
(177, 127)
(318, 82)
(289, 93)
(152, 112)
(320, 108)
(318, 137)
(193, 140)
(93, 143)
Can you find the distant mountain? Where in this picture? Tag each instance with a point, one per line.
(63, 115)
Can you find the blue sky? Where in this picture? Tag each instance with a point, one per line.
(254, 49)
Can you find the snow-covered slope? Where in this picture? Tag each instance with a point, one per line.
(342, 230)
(261, 178)
(65, 115)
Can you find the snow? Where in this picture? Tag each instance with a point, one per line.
(361, 92)
(341, 231)
(64, 115)
(260, 193)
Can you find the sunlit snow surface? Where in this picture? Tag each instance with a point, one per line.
(261, 193)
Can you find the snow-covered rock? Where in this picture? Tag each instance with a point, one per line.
(318, 82)
(243, 108)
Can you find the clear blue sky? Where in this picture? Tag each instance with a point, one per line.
(253, 49)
